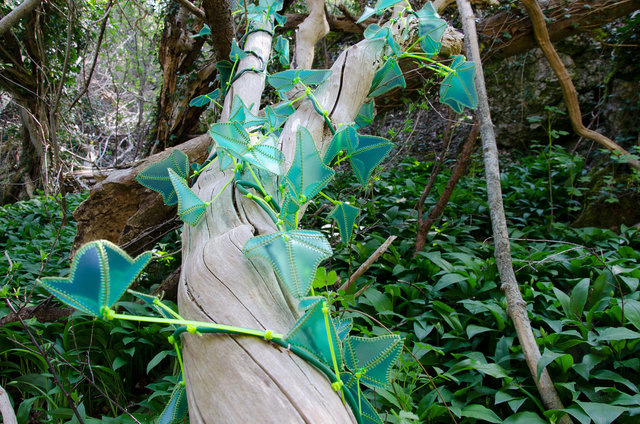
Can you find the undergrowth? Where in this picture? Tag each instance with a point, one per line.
(462, 359)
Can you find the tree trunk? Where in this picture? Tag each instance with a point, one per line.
(241, 379)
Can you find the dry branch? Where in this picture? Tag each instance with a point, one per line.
(11, 18)
(516, 306)
(366, 264)
(568, 90)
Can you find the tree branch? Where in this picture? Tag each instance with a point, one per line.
(366, 264)
(192, 8)
(568, 90)
(16, 14)
(8, 416)
(516, 306)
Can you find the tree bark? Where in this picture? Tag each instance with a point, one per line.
(516, 306)
(26, 7)
(248, 380)
(8, 416)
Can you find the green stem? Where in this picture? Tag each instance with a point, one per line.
(325, 312)
(220, 192)
(170, 311)
(335, 202)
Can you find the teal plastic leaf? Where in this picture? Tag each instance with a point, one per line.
(430, 29)
(156, 176)
(307, 174)
(367, 412)
(206, 30)
(235, 140)
(388, 77)
(368, 12)
(343, 326)
(365, 115)
(294, 256)
(371, 151)
(382, 5)
(346, 138)
(281, 47)
(289, 211)
(242, 114)
(458, 89)
(225, 71)
(176, 410)
(375, 31)
(205, 99)
(190, 207)
(287, 80)
(236, 52)
(345, 215)
(310, 333)
(373, 357)
(276, 116)
(100, 273)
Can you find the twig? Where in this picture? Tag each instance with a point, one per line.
(349, 16)
(365, 266)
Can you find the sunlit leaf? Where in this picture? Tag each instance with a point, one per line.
(235, 140)
(294, 256)
(388, 77)
(430, 29)
(382, 5)
(458, 88)
(307, 174)
(156, 176)
(287, 80)
(100, 273)
(368, 12)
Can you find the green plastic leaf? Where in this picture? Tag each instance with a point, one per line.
(365, 115)
(382, 5)
(281, 46)
(150, 301)
(366, 412)
(307, 174)
(289, 211)
(375, 31)
(225, 71)
(343, 326)
(276, 116)
(480, 412)
(458, 89)
(190, 207)
(287, 80)
(176, 410)
(294, 256)
(242, 114)
(310, 333)
(236, 52)
(368, 12)
(430, 29)
(346, 138)
(388, 77)
(235, 140)
(100, 273)
(205, 99)
(156, 176)
(373, 357)
(601, 413)
(345, 215)
(206, 30)
(371, 151)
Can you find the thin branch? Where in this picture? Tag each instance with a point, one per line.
(516, 306)
(16, 14)
(366, 264)
(192, 8)
(568, 89)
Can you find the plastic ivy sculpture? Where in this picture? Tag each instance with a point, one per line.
(101, 272)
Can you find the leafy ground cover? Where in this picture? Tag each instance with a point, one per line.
(462, 360)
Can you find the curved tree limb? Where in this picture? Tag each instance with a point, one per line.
(568, 90)
(516, 306)
(16, 14)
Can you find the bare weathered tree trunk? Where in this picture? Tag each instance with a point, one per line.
(516, 306)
